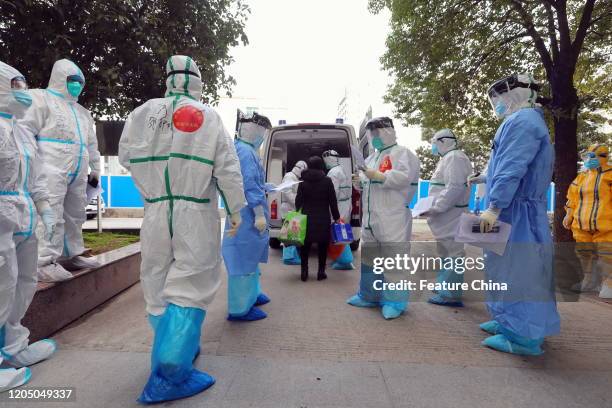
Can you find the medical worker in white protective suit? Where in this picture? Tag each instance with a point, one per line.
(389, 182)
(181, 158)
(290, 253)
(448, 186)
(23, 195)
(244, 251)
(68, 145)
(518, 177)
(344, 192)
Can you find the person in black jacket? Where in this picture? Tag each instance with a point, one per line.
(316, 198)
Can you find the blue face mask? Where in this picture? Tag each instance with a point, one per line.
(23, 97)
(501, 109)
(257, 142)
(377, 143)
(592, 164)
(74, 88)
(434, 150)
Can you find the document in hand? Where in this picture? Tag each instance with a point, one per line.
(93, 191)
(495, 242)
(422, 206)
(284, 186)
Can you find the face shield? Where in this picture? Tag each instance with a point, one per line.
(595, 157)
(299, 168)
(331, 158)
(253, 129)
(443, 141)
(512, 93)
(380, 133)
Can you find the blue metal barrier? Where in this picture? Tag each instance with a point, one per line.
(120, 192)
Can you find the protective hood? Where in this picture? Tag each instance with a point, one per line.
(510, 94)
(252, 133)
(8, 102)
(299, 168)
(58, 83)
(183, 77)
(445, 141)
(383, 130)
(331, 158)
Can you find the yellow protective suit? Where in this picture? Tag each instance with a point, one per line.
(589, 214)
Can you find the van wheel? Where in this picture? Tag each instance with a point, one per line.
(355, 245)
(275, 243)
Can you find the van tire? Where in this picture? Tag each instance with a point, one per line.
(355, 245)
(275, 243)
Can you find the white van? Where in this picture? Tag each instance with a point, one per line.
(287, 144)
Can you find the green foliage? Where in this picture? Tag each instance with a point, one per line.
(444, 54)
(122, 45)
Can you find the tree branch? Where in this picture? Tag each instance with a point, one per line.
(552, 34)
(585, 23)
(564, 31)
(527, 22)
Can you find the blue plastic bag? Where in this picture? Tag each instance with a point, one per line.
(342, 233)
(291, 255)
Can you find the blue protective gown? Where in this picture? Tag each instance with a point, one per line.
(243, 253)
(519, 175)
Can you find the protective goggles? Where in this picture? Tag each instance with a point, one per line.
(19, 84)
(507, 84)
(592, 155)
(258, 120)
(330, 153)
(182, 72)
(75, 78)
(379, 123)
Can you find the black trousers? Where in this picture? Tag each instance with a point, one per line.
(321, 252)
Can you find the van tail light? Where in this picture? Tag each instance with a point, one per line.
(274, 210)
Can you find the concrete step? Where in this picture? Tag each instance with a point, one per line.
(55, 305)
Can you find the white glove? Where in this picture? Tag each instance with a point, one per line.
(356, 181)
(488, 219)
(375, 175)
(477, 178)
(260, 219)
(569, 219)
(48, 218)
(235, 221)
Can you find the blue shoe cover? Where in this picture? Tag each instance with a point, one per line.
(441, 301)
(342, 266)
(389, 312)
(175, 346)
(254, 314)
(357, 301)
(160, 389)
(500, 342)
(262, 299)
(491, 327)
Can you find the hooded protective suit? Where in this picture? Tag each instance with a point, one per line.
(518, 177)
(290, 253)
(388, 185)
(344, 191)
(67, 142)
(180, 157)
(589, 216)
(449, 187)
(244, 252)
(23, 189)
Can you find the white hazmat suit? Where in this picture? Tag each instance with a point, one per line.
(23, 191)
(448, 186)
(67, 142)
(388, 183)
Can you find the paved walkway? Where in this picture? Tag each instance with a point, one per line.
(315, 351)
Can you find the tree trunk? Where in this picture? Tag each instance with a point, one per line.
(565, 112)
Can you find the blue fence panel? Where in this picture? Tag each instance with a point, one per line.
(123, 194)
